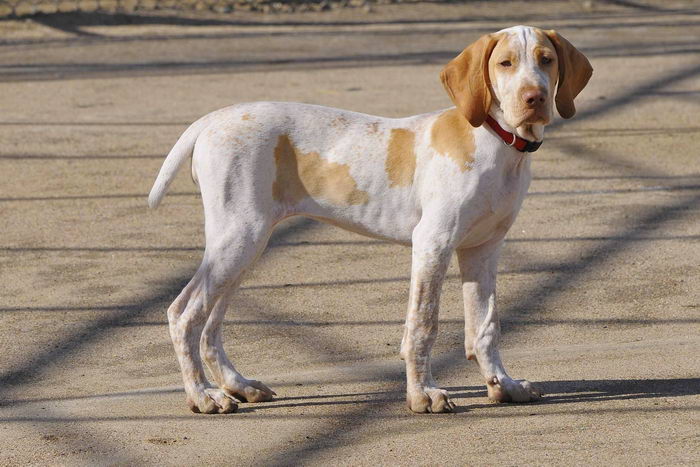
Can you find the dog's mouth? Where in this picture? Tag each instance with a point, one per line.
(530, 124)
(532, 117)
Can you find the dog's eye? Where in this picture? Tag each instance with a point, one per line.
(546, 60)
(505, 63)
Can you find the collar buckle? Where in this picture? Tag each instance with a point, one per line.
(518, 143)
(515, 138)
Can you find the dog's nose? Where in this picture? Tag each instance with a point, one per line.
(533, 98)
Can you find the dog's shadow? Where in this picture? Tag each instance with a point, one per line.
(618, 389)
(555, 392)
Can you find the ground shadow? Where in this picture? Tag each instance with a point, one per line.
(618, 389)
(555, 392)
(72, 21)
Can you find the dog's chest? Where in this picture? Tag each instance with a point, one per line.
(498, 204)
(508, 190)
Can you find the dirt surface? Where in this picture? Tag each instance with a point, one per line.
(598, 285)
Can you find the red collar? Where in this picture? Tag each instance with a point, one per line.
(511, 139)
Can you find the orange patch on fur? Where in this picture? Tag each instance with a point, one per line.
(504, 50)
(545, 47)
(301, 175)
(451, 136)
(401, 157)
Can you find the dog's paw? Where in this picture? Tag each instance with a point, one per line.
(249, 390)
(211, 401)
(512, 390)
(429, 400)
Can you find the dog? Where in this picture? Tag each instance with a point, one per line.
(442, 182)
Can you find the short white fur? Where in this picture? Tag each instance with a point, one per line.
(444, 210)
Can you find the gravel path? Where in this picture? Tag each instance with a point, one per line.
(599, 280)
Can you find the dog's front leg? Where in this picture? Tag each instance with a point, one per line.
(430, 260)
(478, 267)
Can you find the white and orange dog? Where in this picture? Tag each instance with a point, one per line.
(451, 180)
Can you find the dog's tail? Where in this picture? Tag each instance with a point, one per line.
(178, 155)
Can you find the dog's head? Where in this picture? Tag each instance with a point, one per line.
(521, 71)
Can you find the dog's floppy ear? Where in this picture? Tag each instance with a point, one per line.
(466, 80)
(574, 73)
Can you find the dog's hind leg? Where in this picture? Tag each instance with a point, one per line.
(226, 257)
(186, 317)
(222, 369)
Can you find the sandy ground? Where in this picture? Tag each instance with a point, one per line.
(598, 286)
